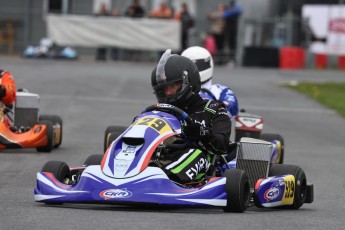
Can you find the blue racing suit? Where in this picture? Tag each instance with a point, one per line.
(221, 93)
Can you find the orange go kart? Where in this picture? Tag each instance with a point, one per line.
(28, 129)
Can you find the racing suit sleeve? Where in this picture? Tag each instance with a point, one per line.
(219, 137)
(230, 100)
(8, 83)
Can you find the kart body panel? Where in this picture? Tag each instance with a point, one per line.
(35, 137)
(151, 186)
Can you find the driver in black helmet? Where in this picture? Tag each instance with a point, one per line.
(176, 81)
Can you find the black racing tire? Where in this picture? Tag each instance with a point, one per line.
(111, 137)
(94, 159)
(237, 188)
(300, 192)
(271, 137)
(58, 168)
(111, 133)
(50, 135)
(55, 120)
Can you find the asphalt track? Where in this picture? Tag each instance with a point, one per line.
(89, 96)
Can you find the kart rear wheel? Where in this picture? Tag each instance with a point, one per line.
(94, 159)
(50, 135)
(300, 192)
(272, 137)
(110, 135)
(55, 120)
(58, 168)
(237, 188)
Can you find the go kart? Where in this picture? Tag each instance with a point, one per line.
(250, 125)
(130, 172)
(29, 130)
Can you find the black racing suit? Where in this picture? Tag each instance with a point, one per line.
(193, 164)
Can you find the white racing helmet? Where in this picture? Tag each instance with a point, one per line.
(202, 59)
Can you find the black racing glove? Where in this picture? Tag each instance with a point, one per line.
(2, 91)
(197, 132)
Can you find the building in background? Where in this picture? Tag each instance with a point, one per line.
(264, 23)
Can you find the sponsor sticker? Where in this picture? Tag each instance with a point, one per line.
(249, 122)
(129, 149)
(289, 190)
(157, 124)
(272, 194)
(223, 113)
(120, 165)
(115, 193)
(165, 106)
(281, 182)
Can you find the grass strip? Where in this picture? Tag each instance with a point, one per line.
(330, 94)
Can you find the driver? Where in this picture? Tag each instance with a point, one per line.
(204, 61)
(176, 80)
(7, 94)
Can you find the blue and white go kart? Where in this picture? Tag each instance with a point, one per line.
(130, 172)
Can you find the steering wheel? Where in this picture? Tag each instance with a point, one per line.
(179, 113)
(172, 110)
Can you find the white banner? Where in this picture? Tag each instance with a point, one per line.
(327, 23)
(129, 33)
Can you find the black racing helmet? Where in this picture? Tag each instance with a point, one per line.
(171, 69)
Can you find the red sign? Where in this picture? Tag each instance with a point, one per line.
(337, 25)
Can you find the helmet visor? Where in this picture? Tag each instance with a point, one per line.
(203, 64)
(160, 72)
(160, 91)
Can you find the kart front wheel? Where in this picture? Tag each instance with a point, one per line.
(110, 135)
(50, 135)
(94, 159)
(237, 188)
(300, 192)
(59, 169)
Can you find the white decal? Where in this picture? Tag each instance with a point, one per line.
(115, 193)
(120, 165)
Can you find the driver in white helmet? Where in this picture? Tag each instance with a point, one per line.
(204, 61)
